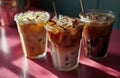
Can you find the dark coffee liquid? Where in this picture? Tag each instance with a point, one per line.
(96, 32)
(96, 39)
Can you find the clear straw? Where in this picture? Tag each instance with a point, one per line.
(82, 7)
(55, 9)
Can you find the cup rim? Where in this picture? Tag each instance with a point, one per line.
(16, 15)
(86, 19)
(101, 10)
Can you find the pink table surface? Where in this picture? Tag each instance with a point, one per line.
(13, 64)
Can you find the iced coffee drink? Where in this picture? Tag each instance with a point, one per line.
(30, 25)
(96, 32)
(64, 35)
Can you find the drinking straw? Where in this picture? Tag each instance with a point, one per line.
(82, 7)
(55, 9)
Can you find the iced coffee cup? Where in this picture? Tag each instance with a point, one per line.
(64, 35)
(96, 32)
(32, 33)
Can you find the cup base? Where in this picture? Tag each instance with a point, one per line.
(65, 69)
(37, 57)
(98, 58)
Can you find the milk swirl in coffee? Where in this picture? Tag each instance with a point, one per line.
(64, 35)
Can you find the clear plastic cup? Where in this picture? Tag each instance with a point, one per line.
(32, 33)
(96, 32)
(64, 35)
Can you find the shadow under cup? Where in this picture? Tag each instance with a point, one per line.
(96, 32)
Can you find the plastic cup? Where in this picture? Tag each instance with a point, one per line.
(32, 33)
(96, 32)
(64, 35)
